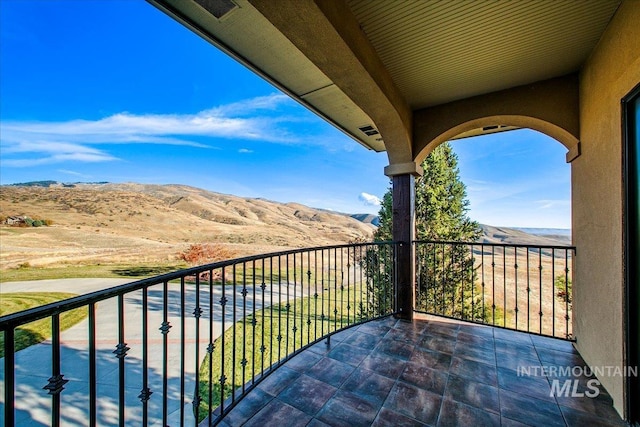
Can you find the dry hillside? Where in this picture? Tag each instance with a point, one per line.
(505, 235)
(136, 222)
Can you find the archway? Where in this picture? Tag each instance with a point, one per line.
(550, 107)
(517, 179)
(519, 191)
(566, 138)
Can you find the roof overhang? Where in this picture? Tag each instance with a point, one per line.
(246, 35)
(366, 66)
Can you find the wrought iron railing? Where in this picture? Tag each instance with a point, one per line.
(521, 287)
(183, 347)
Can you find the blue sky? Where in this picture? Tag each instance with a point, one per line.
(117, 91)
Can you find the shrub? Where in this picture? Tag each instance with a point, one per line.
(205, 253)
(33, 222)
(563, 286)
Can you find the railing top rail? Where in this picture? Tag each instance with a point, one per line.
(20, 318)
(502, 245)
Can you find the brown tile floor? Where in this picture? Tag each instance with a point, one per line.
(432, 372)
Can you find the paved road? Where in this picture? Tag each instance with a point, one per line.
(33, 364)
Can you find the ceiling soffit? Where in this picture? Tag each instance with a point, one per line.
(246, 35)
(328, 34)
(441, 51)
(364, 65)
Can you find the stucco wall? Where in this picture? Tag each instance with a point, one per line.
(549, 106)
(610, 73)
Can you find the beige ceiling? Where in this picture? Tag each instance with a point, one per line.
(434, 51)
(441, 51)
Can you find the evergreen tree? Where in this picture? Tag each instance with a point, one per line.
(445, 273)
(383, 232)
(440, 201)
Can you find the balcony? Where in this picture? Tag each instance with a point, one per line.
(430, 371)
(311, 334)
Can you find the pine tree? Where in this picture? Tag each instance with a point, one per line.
(445, 273)
(440, 201)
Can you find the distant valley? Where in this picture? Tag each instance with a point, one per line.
(144, 223)
(521, 236)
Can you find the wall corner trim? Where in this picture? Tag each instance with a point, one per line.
(574, 152)
(410, 168)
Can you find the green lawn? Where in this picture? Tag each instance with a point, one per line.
(40, 330)
(136, 272)
(88, 271)
(306, 319)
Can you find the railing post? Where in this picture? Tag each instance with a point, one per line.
(9, 376)
(403, 231)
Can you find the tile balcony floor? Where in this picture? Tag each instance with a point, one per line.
(432, 372)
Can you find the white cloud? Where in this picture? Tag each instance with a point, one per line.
(249, 106)
(547, 204)
(53, 152)
(245, 151)
(369, 199)
(30, 143)
(74, 173)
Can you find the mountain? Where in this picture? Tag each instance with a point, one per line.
(137, 223)
(46, 184)
(49, 183)
(104, 222)
(516, 236)
(560, 234)
(367, 218)
(505, 235)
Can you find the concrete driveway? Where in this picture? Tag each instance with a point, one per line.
(33, 364)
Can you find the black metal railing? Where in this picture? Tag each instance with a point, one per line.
(521, 287)
(184, 347)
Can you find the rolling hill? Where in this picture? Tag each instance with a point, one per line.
(143, 223)
(139, 222)
(515, 236)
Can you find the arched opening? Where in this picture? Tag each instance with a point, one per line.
(555, 131)
(526, 159)
(519, 189)
(516, 179)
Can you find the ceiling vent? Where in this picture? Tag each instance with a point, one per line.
(218, 8)
(369, 130)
